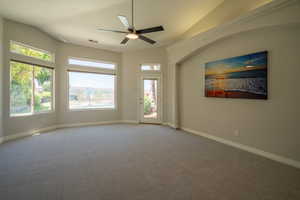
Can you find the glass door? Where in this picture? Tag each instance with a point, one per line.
(150, 105)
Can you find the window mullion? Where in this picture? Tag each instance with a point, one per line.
(22, 108)
(52, 90)
(33, 90)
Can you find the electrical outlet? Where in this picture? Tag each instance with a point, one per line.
(237, 133)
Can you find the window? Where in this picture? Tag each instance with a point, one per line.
(31, 89)
(150, 67)
(26, 50)
(91, 90)
(92, 84)
(90, 63)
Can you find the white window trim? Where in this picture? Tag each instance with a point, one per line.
(34, 48)
(150, 64)
(159, 77)
(86, 69)
(92, 70)
(32, 113)
(149, 74)
(91, 60)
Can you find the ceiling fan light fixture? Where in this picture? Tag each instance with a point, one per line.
(132, 36)
(132, 33)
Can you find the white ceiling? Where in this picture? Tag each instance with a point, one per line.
(76, 21)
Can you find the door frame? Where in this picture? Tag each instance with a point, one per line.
(140, 113)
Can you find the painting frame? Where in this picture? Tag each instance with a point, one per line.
(239, 77)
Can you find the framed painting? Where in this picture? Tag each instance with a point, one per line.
(238, 77)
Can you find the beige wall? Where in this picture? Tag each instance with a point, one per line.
(70, 117)
(271, 125)
(1, 77)
(31, 36)
(127, 91)
(276, 13)
(131, 62)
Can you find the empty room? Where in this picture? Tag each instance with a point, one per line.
(149, 99)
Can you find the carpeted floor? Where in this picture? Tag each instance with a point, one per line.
(138, 162)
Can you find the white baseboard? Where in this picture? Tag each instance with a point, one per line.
(169, 124)
(129, 122)
(86, 124)
(28, 133)
(265, 154)
(60, 126)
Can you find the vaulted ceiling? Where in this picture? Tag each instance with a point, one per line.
(76, 21)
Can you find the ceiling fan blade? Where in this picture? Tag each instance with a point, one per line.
(130, 30)
(125, 40)
(116, 31)
(150, 30)
(146, 39)
(124, 21)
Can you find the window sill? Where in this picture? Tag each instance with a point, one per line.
(91, 109)
(31, 114)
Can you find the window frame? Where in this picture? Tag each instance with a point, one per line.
(92, 60)
(150, 71)
(33, 48)
(33, 113)
(155, 74)
(92, 70)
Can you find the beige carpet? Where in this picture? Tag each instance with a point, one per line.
(138, 162)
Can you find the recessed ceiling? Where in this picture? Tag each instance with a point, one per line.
(76, 21)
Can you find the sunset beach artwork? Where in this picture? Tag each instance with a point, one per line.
(238, 77)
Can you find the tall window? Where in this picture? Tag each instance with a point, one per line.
(31, 89)
(93, 88)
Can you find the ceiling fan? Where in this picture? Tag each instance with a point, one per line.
(132, 33)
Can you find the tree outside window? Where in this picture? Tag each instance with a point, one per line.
(30, 89)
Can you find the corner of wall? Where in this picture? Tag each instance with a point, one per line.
(1, 79)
